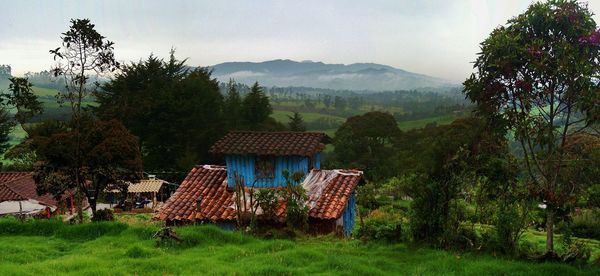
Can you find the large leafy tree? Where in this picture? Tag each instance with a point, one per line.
(537, 76)
(83, 53)
(367, 141)
(109, 155)
(177, 113)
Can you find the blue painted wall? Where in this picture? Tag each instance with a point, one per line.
(349, 215)
(244, 166)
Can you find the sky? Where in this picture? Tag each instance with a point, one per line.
(434, 37)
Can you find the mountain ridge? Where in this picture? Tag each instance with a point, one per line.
(354, 76)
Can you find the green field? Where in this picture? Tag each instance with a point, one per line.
(440, 120)
(51, 247)
(282, 116)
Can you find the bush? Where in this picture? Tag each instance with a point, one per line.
(375, 229)
(104, 215)
(381, 225)
(586, 225)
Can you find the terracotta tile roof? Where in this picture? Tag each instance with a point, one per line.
(7, 194)
(328, 191)
(206, 181)
(24, 186)
(270, 143)
(8, 176)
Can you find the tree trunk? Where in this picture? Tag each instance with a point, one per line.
(79, 202)
(549, 229)
(93, 206)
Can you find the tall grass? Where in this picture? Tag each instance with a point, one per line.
(51, 247)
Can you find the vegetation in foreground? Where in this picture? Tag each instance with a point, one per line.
(51, 247)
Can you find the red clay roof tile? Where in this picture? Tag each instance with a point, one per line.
(270, 143)
(328, 191)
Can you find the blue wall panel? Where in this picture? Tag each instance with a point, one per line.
(243, 165)
(349, 215)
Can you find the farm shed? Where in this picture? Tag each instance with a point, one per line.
(18, 196)
(207, 193)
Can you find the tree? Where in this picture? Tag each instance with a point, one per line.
(327, 101)
(296, 122)
(83, 51)
(232, 106)
(339, 103)
(110, 155)
(176, 113)
(367, 141)
(256, 107)
(22, 98)
(537, 77)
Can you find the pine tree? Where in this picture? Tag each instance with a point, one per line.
(296, 122)
(256, 107)
(232, 106)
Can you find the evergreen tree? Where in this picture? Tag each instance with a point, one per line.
(232, 107)
(296, 122)
(177, 114)
(256, 107)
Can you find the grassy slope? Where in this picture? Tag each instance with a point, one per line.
(111, 248)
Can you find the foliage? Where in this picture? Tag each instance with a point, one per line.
(267, 200)
(232, 106)
(366, 141)
(448, 162)
(103, 215)
(380, 226)
(6, 126)
(256, 107)
(296, 122)
(586, 224)
(83, 51)
(176, 113)
(537, 76)
(296, 212)
(109, 154)
(22, 98)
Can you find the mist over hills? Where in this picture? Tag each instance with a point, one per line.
(356, 76)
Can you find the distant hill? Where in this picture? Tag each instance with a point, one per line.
(356, 76)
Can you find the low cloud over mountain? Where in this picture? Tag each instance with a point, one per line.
(356, 76)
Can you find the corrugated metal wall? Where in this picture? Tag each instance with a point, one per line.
(349, 215)
(244, 166)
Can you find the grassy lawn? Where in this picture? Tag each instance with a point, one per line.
(50, 247)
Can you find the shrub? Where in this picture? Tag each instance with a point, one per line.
(381, 225)
(575, 251)
(585, 225)
(296, 213)
(376, 229)
(267, 200)
(103, 215)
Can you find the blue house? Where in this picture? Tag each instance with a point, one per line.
(259, 159)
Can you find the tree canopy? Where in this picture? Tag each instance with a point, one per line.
(537, 78)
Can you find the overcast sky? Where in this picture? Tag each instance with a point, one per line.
(434, 37)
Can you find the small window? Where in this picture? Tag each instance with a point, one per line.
(264, 167)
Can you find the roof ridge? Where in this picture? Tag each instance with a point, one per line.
(280, 131)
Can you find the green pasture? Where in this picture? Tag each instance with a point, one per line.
(115, 248)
